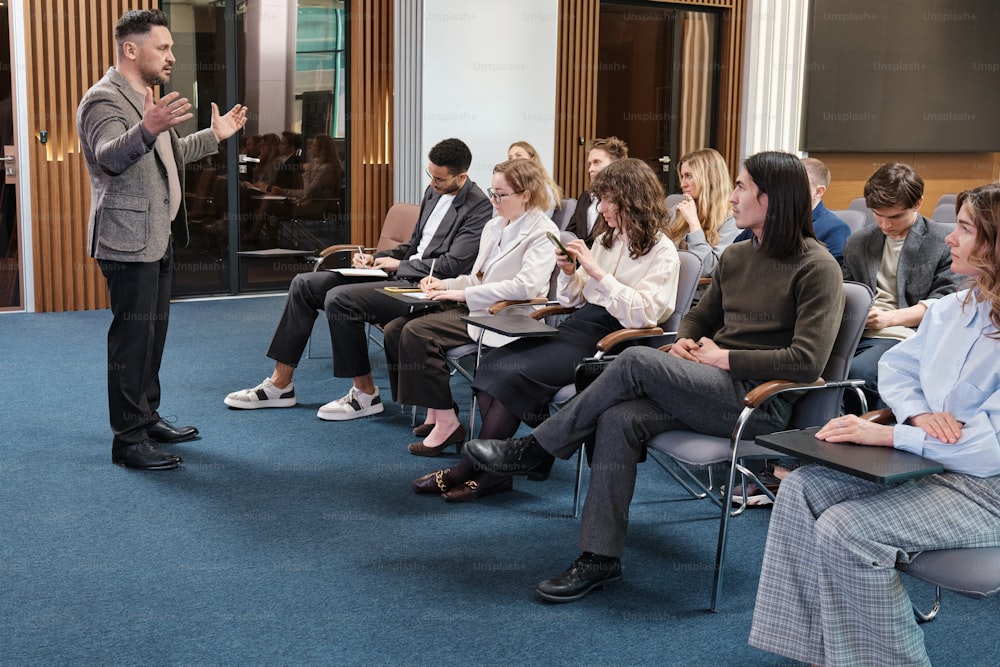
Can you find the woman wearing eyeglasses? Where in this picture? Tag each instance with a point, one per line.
(628, 279)
(515, 262)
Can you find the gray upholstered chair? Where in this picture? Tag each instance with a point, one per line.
(944, 213)
(973, 572)
(853, 219)
(858, 204)
(819, 402)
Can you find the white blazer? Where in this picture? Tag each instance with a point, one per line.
(521, 269)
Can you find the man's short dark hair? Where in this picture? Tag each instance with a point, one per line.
(138, 22)
(788, 221)
(893, 185)
(452, 154)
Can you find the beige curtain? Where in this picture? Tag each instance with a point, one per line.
(695, 80)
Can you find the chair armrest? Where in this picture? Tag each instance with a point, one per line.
(342, 247)
(513, 303)
(544, 312)
(765, 391)
(883, 416)
(704, 281)
(616, 338)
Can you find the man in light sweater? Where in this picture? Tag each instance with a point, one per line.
(772, 311)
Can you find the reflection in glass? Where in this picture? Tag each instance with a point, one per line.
(288, 65)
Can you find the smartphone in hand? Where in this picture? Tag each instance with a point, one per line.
(559, 244)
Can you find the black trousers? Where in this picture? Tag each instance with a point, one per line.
(348, 304)
(140, 305)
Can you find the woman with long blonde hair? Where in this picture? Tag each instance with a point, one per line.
(522, 149)
(702, 221)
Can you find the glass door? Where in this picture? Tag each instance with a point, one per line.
(657, 81)
(10, 247)
(262, 214)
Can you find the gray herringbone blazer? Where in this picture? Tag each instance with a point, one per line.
(129, 196)
(924, 264)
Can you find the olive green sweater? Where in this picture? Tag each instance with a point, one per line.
(778, 318)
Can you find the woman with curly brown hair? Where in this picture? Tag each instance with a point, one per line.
(628, 279)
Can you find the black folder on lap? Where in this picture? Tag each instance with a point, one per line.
(878, 464)
(520, 325)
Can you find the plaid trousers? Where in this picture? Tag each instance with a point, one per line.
(829, 592)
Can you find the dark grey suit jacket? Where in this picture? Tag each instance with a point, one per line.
(578, 222)
(129, 195)
(924, 270)
(456, 241)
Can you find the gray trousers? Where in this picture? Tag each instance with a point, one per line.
(829, 593)
(642, 393)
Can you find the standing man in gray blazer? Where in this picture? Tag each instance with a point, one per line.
(452, 216)
(904, 260)
(136, 164)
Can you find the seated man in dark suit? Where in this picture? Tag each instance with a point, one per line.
(830, 229)
(903, 258)
(452, 215)
(602, 152)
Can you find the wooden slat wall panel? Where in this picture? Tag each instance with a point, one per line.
(576, 92)
(942, 173)
(69, 46)
(371, 120)
(576, 85)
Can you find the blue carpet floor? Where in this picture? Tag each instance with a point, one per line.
(286, 540)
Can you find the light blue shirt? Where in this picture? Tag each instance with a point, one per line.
(949, 365)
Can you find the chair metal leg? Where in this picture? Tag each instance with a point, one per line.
(720, 554)
(472, 415)
(927, 617)
(700, 492)
(579, 482)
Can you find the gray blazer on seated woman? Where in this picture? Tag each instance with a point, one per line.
(702, 221)
(515, 262)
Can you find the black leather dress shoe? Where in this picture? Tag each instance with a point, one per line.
(145, 456)
(588, 572)
(515, 456)
(162, 431)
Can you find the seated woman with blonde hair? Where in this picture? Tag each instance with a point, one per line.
(522, 149)
(515, 262)
(703, 221)
(829, 591)
(628, 279)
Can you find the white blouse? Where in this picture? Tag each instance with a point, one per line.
(638, 292)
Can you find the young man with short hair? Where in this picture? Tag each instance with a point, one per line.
(903, 258)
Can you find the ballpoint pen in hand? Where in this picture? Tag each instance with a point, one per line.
(361, 253)
(430, 275)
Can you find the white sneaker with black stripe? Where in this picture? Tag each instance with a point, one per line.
(355, 404)
(264, 395)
